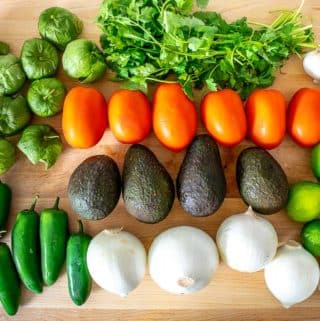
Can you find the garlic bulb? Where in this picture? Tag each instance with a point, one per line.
(116, 261)
(293, 275)
(183, 259)
(246, 241)
(311, 65)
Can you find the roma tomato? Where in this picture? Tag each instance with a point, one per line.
(304, 117)
(84, 117)
(129, 116)
(266, 117)
(223, 116)
(174, 117)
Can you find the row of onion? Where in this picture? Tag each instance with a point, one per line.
(184, 259)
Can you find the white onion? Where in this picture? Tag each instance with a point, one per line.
(183, 259)
(311, 65)
(293, 275)
(116, 261)
(246, 241)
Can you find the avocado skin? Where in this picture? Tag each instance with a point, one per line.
(261, 181)
(148, 189)
(95, 187)
(201, 183)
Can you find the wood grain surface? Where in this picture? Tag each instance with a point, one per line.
(230, 295)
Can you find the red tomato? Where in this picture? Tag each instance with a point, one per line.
(223, 116)
(304, 117)
(266, 116)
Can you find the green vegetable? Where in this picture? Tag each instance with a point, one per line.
(145, 41)
(79, 280)
(41, 143)
(10, 291)
(14, 115)
(5, 203)
(4, 48)
(310, 237)
(304, 202)
(7, 155)
(39, 58)
(53, 241)
(84, 61)
(59, 26)
(12, 76)
(26, 248)
(315, 161)
(45, 96)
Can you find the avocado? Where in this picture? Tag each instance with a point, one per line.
(148, 189)
(201, 184)
(261, 181)
(95, 187)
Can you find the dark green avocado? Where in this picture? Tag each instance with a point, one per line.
(201, 184)
(261, 181)
(148, 189)
(95, 187)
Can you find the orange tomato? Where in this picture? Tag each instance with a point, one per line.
(84, 117)
(129, 116)
(223, 116)
(174, 117)
(266, 116)
(304, 117)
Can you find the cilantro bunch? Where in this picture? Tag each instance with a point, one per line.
(147, 40)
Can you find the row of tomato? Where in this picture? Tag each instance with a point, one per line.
(173, 117)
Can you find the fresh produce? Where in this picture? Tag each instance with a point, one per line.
(201, 184)
(10, 291)
(4, 48)
(7, 155)
(183, 259)
(14, 115)
(311, 65)
(293, 275)
(174, 117)
(304, 117)
(266, 115)
(53, 242)
(304, 202)
(315, 161)
(39, 58)
(223, 116)
(310, 237)
(94, 187)
(79, 280)
(129, 114)
(45, 96)
(40, 143)
(147, 188)
(246, 241)
(59, 26)
(84, 61)
(25, 244)
(116, 261)
(84, 117)
(157, 38)
(261, 181)
(12, 76)
(5, 203)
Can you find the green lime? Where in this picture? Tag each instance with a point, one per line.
(310, 237)
(315, 161)
(304, 202)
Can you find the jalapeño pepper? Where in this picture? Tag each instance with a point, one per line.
(5, 202)
(53, 240)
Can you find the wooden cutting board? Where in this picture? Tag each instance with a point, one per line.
(231, 295)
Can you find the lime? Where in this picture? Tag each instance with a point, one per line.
(315, 161)
(310, 237)
(304, 202)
